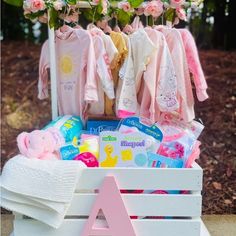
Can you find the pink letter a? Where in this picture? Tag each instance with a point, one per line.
(110, 202)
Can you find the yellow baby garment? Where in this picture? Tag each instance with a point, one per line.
(119, 42)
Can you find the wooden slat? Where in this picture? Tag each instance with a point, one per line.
(167, 227)
(204, 231)
(143, 178)
(196, 166)
(145, 204)
(73, 227)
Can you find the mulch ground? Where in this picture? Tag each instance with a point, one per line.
(22, 111)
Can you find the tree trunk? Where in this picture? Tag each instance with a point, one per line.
(201, 39)
(219, 29)
(231, 21)
(12, 20)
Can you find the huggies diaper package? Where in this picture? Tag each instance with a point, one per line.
(70, 127)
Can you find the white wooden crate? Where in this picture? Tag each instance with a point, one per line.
(185, 208)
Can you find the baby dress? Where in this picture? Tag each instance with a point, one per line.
(76, 71)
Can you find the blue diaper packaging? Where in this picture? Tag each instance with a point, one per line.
(96, 126)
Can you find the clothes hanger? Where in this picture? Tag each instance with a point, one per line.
(140, 25)
(117, 29)
(128, 29)
(95, 29)
(135, 23)
(169, 24)
(92, 25)
(76, 25)
(101, 24)
(106, 28)
(65, 27)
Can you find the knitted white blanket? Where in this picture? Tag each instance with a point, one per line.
(39, 189)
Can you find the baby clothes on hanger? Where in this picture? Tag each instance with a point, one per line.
(121, 71)
(137, 24)
(76, 71)
(139, 56)
(159, 87)
(124, 65)
(110, 47)
(97, 108)
(126, 38)
(105, 82)
(44, 65)
(145, 66)
(184, 87)
(119, 42)
(194, 64)
(103, 68)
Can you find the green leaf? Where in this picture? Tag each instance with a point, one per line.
(123, 17)
(29, 16)
(34, 15)
(99, 9)
(53, 18)
(170, 14)
(16, 3)
(71, 2)
(90, 16)
(135, 3)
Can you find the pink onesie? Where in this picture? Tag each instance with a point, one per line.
(184, 87)
(76, 71)
(194, 64)
(159, 87)
(110, 47)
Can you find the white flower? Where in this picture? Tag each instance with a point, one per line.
(194, 5)
(27, 5)
(58, 5)
(34, 5)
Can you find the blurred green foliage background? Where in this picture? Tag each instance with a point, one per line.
(213, 25)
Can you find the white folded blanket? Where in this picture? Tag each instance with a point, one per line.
(39, 189)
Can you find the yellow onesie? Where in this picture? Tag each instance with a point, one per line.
(119, 42)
